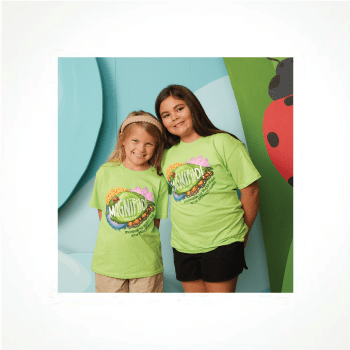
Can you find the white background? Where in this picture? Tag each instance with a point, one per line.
(315, 316)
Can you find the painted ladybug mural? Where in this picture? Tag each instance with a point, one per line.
(278, 120)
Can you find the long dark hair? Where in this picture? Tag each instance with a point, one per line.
(201, 123)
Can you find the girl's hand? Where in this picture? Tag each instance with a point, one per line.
(250, 205)
(99, 214)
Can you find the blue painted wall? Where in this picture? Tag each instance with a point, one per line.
(79, 120)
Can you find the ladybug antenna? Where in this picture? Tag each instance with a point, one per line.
(273, 59)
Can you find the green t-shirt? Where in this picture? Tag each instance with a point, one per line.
(204, 175)
(128, 243)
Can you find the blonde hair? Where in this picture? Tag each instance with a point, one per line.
(118, 154)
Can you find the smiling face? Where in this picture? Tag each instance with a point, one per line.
(177, 119)
(139, 147)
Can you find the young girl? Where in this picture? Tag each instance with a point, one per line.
(205, 166)
(131, 197)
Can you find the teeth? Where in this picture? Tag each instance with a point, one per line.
(178, 124)
(138, 155)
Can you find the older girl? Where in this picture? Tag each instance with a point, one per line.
(205, 167)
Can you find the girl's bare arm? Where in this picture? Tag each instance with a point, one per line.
(250, 205)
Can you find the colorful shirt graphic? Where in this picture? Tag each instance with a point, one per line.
(129, 208)
(190, 180)
(205, 176)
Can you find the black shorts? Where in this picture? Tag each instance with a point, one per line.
(221, 264)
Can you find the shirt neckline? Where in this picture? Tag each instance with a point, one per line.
(135, 171)
(191, 143)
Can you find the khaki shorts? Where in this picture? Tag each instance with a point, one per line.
(105, 284)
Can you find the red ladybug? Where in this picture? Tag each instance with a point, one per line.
(278, 135)
(278, 119)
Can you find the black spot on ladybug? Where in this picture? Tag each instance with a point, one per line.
(281, 85)
(288, 101)
(290, 181)
(273, 139)
(275, 81)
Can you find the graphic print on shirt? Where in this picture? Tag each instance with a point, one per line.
(191, 180)
(130, 209)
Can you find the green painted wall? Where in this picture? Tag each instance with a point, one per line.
(287, 286)
(250, 78)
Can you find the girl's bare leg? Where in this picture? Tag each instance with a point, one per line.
(221, 287)
(197, 286)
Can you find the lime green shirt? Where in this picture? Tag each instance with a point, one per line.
(128, 243)
(204, 176)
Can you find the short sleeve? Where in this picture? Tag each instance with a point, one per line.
(95, 197)
(164, 172)
(241, 167)
(162, 200)
(170, 190)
